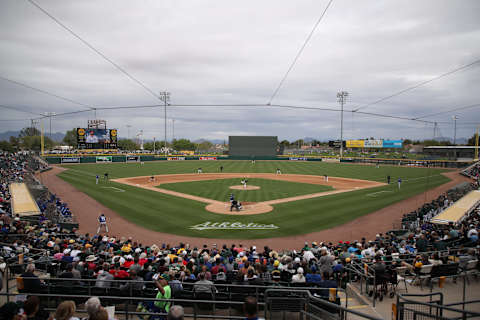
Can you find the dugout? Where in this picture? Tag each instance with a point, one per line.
(253, 147)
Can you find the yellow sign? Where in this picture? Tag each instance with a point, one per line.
(187, 152)
(355, 143)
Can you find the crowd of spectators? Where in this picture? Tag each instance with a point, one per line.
(110, 261)
(429, 210)
(473, 171)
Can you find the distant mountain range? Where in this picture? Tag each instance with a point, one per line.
(56, 136)
(458, 141)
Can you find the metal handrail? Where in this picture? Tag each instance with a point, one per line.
(320, 301)
(442, 306)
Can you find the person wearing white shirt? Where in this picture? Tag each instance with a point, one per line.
(91, 138)
(298, 277)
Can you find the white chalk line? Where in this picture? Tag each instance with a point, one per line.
(378, 192)
(118, 189)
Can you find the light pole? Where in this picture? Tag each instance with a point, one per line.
(455, 118)
(128, 130)
(165, 97)
(50, 115)
(173, 130)
(342, 97)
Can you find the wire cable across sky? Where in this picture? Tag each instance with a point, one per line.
(98, 52)
(418, 85)
(299, 53)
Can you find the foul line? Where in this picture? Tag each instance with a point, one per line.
(119, 190)
(378, 192)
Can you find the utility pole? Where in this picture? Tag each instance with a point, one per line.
(128, 130)
(50, 115)
(153, 145)
(435, 130)
(476, 145)
(165, 97)
(173, 130)
(455, 118)
(342, 97)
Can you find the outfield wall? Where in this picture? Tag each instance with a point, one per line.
(142, 158)
(69, 159)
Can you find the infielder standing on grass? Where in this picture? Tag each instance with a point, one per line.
(96, 179)
(102, 220)
(399, 183)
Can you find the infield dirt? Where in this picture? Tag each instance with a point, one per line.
(339, 184)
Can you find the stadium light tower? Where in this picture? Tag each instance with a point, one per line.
(455, 118)
(128, 130)
(50, 115)
(342, 97)
(165, 97)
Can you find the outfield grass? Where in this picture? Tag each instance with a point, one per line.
(269, 189)
(165, 213)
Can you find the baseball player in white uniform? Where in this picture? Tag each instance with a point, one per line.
(244, 182)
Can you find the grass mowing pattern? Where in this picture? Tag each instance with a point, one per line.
(269, 189)
(160, 212)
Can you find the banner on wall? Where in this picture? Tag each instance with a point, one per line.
(373, 144)
(207, 158)
(392, 143)
(132, 159)
(70, 160)
(176, 158)
(355, 143)
(104, 159)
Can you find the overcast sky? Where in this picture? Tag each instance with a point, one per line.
(236, 52)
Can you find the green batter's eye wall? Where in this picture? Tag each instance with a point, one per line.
(252, 146)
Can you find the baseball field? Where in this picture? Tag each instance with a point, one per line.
(298, 201)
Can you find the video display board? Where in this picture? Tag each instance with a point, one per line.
(96, 138)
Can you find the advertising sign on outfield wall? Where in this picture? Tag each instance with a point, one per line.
(392, 143)
(104, 159)
(354, 143)
(175, 158)
(132, 158)
(70, 160)
(373, 143)
(298, 159)
(207, 158)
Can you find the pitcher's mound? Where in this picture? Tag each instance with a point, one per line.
(248, 208)
(240, 187)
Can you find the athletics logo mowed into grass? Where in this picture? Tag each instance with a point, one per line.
(233, 226)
